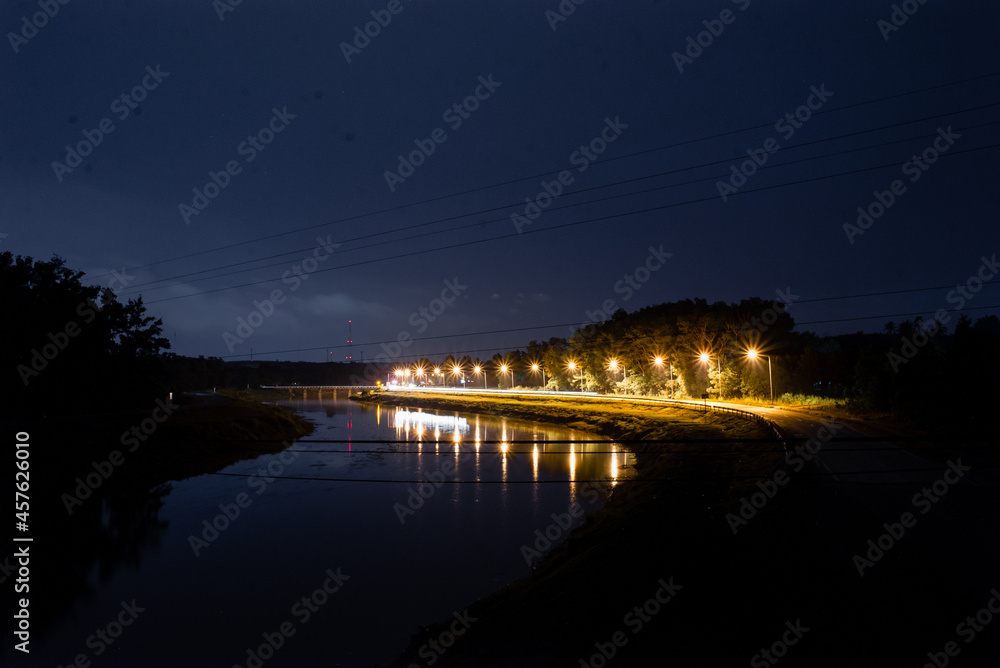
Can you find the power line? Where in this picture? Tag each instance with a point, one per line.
(403, 481)
(509, 348)
(555, 171)
(576, 223)
(448, 452)
(133, 289)
(577, 324)
(892, 315)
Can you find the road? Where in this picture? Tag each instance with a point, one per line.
(847, 455)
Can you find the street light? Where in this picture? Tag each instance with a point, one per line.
(535, 367)
(504, 369)
(704, 357)
(437, 371)
(572, 367)
(753, 354)
(455, 371)
(479, 370)
(613, 365)
(658, 361)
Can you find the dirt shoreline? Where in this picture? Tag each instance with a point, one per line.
(91, 470)
(169, 441)
(661, 575)
(626, 538)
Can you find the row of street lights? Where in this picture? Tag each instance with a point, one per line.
(751, 354)
(613, 365)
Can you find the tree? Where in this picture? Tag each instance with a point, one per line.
(68, 347)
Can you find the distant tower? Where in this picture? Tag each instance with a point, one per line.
(350, 344)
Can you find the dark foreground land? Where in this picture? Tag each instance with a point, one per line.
(97, 481)
(659, 577)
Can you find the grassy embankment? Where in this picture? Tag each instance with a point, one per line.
(789, 561)
(200, 435)
(668, 520)
(95, 500)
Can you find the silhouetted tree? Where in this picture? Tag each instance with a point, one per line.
(67, 347)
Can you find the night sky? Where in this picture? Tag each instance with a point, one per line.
(300, 116)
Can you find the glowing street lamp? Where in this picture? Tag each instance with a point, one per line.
(753, 354)
(479, 370)
(705, 359)
(536, 368)
(572, 367)
(437, 372)
(613, 365)
(658, 361)
(455, 371)
(504, 369)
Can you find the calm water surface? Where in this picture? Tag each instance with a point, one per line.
(404, 559)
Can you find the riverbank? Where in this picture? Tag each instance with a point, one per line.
(98, 480)
(169, 442)
(647, 532)
(681, 568)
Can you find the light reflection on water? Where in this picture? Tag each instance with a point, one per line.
(460, 543)
(441, 426)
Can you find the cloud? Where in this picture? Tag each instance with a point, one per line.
(339, 304)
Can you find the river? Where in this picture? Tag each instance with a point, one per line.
(331, 553)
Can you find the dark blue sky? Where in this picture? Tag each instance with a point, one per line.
(216, 91)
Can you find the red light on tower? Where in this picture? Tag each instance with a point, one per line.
(350, 343)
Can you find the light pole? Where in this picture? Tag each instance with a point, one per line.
(479, 370)
(504, 369)
(437, 372)
(613, 365)
(572, 367)
(658, 361)
(456, 370)
(535, 367)
(753, 354)
(704, 357)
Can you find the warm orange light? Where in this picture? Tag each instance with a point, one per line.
(658, 361)
(503, 368)
(752, 354)
(703, 357)
(457, 369)
(613, 365)
(534, 367)
(477, 370)
(571, 366)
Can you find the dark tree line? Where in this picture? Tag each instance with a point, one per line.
(70, 348)
(909, 369)
(914, 369)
